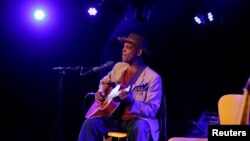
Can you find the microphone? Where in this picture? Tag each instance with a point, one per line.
(106, 65)
(98, 68)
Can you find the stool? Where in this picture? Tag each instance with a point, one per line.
(120, 136)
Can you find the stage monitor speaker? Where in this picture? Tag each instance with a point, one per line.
(200, 128)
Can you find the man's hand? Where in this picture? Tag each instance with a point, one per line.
(126, 97)
(100, 95)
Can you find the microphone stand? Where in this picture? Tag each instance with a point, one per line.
(57, 131)
(87, 72)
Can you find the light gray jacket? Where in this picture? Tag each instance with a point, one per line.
(147, 92)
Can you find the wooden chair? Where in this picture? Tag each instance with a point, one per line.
(229, 108)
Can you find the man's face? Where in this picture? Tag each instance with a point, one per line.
(129, 52)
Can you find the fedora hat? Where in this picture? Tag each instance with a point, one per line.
(136, 40)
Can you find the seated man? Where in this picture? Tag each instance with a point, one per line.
(139, 96)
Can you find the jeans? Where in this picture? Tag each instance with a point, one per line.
(94, 129)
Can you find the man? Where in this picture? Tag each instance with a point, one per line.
(140, 96)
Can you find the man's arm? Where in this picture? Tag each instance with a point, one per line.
(150, 106)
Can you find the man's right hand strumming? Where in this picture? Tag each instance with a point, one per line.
(100, 95)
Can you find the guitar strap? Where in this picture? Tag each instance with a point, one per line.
(117, 114)
(135, 76)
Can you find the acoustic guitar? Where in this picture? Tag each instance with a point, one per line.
(245, 105)
(107, 107)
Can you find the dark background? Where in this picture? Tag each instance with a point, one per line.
(198, 63)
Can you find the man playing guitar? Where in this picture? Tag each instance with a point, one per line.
(138, 89)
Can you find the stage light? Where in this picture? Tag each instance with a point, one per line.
(210, 16)
(197, 19)
(204, 19)
(39, 14)
(92, 11)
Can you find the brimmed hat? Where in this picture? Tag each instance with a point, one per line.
(136, 40)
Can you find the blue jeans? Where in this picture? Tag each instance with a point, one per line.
(94, 129)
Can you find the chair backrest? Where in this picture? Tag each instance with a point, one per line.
(162, 117)
(229, 108)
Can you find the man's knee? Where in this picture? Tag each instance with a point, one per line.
(142, 125)
(90, 123)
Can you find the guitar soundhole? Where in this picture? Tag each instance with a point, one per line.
(117, 99)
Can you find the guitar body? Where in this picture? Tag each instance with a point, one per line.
(105, 108)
